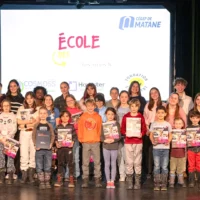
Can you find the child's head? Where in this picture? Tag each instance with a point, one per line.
(90, 91)
(134, 105)
(65, 116)
(154, 94)
(114, 93)
(48, 101)
(180, 84)
(111, 114)
(134, 88)
(64, 87)
(43, 113)
(90, 105)
(161, 112)
(5, 105)
(197, 101)
(71, 101)
(40, 92)
(29, 100)
(179, 123)
(123, 97)
(100, 100)
(194, 117)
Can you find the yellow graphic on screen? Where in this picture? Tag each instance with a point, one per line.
(60, 58)
(139, 80)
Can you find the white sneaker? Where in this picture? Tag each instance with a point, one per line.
(6, 177)
(14, 176)
(122, 178)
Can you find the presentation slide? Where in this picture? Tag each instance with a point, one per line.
(108, 47)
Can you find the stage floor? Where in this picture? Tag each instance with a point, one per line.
(27, 192)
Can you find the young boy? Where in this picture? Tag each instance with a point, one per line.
(160, 150)
(185, 101)
(89, 133)
(101, 108)
(43, 157)
(133, 131)
(193, 153)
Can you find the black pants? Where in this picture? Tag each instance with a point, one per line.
(17, 158)
(65, 157)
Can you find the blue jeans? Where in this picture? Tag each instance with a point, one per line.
(161, 161)
(43, 160)
(76, 158)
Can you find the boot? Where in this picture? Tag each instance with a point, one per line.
(31, 172)
(137, 185)
(10, 178)
(191, 180)
(47, 177)
(171, 180)
(164, 182)
(41, 180)
(198, 176)
(98, 183)
(24, 176)
(156, 182)
(129, 179)
(181, 180)
(85, 183)
(71, 182)
(2, 177)
(59, 181)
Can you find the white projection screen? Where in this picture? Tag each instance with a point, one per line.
(110, 47)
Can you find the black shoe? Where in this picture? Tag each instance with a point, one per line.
(10, 178)
(85, 183)
(31, 172)
(2, 177)
(24, 176)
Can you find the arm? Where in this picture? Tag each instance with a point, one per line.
(118, 127)
(143, 126)
(123, 126)
(14, 124)
(57, 116)
(34, 134)
(80, 128)
(99, 125)
(102, 135)
(52, 135)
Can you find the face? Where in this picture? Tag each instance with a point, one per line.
(48, 101)
(134, 108)
(161, 114)
(173, 99)
(29, 100)
(6, 107)
(43, 114)
(90, 91)
(178, 124)
(64, 88)
(114, 94)
(135, 88)
(198, 101)
(179, 87)
(110, 115)
(13, 88)
(123, 98)
(99, 104)
(154, 94)
(195, 120)
(90, 107)
(39, 95)
(65, 118)
(70, 102)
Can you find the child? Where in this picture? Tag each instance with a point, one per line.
(43, 157)
(160, 151)
(122, 109)
(27, 149)
(89, 132)
(101, 108)
(193, 153)
(177, 159)
(133, 144)
(65, 154)
(73, 108)
(8, 128)
(110, 148)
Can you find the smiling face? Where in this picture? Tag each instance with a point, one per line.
(154, 94)
(114, 94)
(13, 88)
(123, 98)
(43, 114)
(135, 88)
(90, 91)
(30, 100)
(6, 107)
(64, 89)
(65, 118)
(180, 87)
(39, 94)
(70, 102)
(173, 99)
(48, 101)
(110, 115)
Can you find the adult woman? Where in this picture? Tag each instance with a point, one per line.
(114, 102)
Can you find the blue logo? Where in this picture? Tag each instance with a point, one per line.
(127, 22)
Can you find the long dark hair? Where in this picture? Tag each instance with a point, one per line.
(30, 93)
(130, 87)
(8, 93)
(151, 101)
(52, 106)
(195, 104)
(92, 85)
(112, 110)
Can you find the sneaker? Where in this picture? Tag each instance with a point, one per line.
(6, 177)
(122, 178)
(14, 176)
(112, 184)
(156, 188)
(108, 184)
(66, 180)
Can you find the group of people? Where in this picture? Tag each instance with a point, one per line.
(133, 153)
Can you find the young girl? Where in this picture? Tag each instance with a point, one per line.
(177, 159)
(53, 113)
(65, 154)
(74, 108)
(134, 92)
(110, 148)
(114, 93)
(8, 128)
(26, 123)
(89, 93)
(122, 109)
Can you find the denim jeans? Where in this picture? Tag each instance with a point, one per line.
(43, 160)
(161, 161)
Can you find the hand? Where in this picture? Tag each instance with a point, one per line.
(50, 146)
(107, 141)
(111, 141)
(154, 143)
(140, 136)
(167, 143)
(58, 145)
(37, 149)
